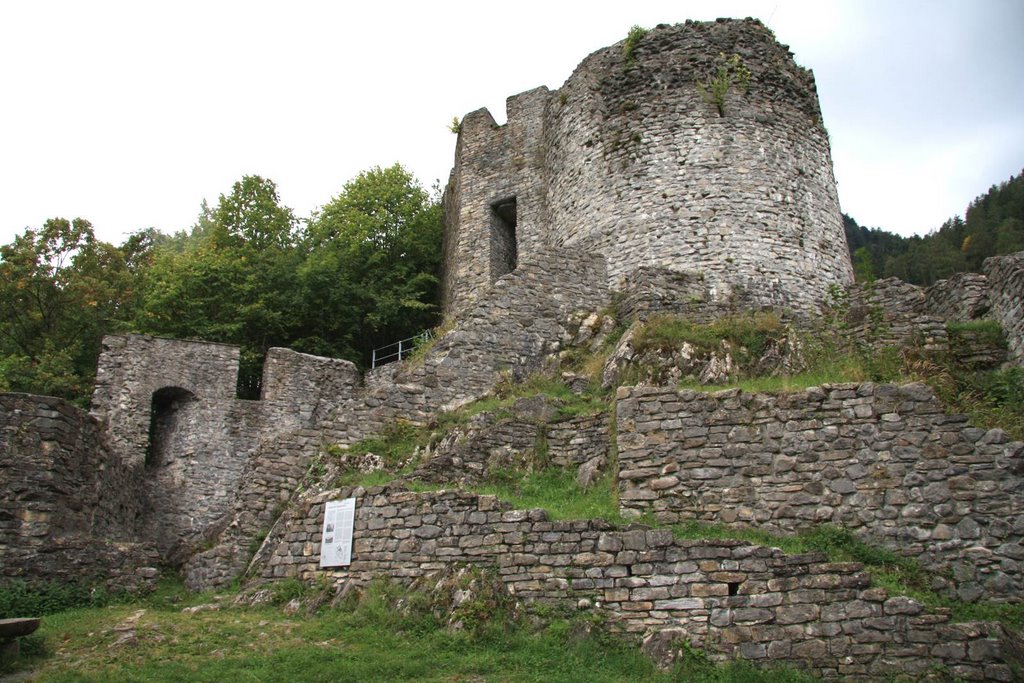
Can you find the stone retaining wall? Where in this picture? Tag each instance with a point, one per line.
(729, 597)
(883, 460)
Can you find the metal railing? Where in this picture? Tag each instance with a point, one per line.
(399, 350)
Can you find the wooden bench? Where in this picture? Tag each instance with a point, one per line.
(11, 630)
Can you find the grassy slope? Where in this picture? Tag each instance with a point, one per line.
(375, 639)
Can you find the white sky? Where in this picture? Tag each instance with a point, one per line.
(131, 113)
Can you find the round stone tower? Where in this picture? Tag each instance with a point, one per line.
(698, 148)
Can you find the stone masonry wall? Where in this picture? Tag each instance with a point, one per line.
(893, 312)
(729, 597)
(964, 296)
(193, 470)
(883, 460)
(1005, 275)
(69, 511)
(131, 368)
(312, 385)
(526, 315)
(629, 161)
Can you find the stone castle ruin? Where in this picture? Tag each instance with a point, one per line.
(628, 160)
(627, 184)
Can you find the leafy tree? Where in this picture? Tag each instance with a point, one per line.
(60, 290)
(232, 280)
(252, 213)
(372, 272)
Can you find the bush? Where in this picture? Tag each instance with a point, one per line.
(635, 35)
(20, 599)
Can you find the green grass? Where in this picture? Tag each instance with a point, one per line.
(985, 331)
(844, 369)
(19, 598)
(749, 331)
(555, 490)
(386, 634)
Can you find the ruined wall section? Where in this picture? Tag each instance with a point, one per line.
(131, 368)
(890, 312)
(515, 325)
(70, 510)
(883, 460)
(494, 164)
(961, 297)
(733, 599)
(1005, 275)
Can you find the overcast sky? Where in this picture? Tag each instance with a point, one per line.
(131, 113)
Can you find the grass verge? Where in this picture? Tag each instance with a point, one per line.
(387, 633)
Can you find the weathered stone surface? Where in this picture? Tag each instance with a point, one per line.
(786, 470)
(69, 509)
(728, 597)
(629, 161)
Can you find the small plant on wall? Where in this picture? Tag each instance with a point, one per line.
(635, 35)
(730, 72)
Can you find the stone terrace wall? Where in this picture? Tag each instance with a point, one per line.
(1006, 281)
(732, 598)
(69, 510)
(487, 443)
(884, 460)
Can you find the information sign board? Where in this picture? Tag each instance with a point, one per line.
(336, 539)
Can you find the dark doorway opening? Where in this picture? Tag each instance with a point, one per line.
(163, 414)
(504, 247)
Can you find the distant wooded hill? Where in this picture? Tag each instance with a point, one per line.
(994, 224)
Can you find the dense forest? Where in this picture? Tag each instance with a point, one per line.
(994, 224)
(361, 272)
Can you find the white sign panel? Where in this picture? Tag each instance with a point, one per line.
(336, 540)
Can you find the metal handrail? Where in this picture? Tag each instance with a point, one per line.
(403, 348)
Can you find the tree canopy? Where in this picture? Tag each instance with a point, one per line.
(361, 273)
